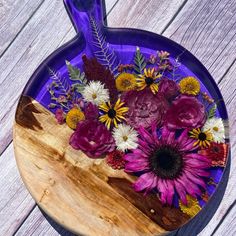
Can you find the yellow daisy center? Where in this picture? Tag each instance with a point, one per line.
(73, 117)
(94, 96)
(215, 128)
(189, 85)
(125, 138)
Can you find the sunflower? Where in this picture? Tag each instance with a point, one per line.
(192, 207)
(113, 114)
(189, 85)
(203, 137)
(148, 80)
(125, 82)
(73, 117)
(167, 164)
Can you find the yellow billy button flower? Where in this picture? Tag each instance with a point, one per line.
(125, 82)
(203, 137)
(73, 117)
(192, 208)
(113, 114)
(189, 85)
(148, 79)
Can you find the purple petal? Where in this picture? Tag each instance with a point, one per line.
(167, 135)
(146, 135)
(144, 181)
(181, 191)
(136, 166)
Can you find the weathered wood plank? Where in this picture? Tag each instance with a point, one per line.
(13, 16)
(228, 225)
(148, 15)
(36, 224)
(49, 28)
(15, 201)
(227, 86)
(207, 29)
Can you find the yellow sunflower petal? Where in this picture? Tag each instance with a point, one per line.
(104, 107)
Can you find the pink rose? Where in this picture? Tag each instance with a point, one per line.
(185, 112)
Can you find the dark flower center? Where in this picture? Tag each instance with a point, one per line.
(202, 136)
(111, 113)
(149, 80)
(215, 149)
(166, 162)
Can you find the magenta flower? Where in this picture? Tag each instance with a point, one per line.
(169, 89)
(168, 165)
(93, 138)
(91, 111)
(144, 108)
(185, 112)
(60, 116)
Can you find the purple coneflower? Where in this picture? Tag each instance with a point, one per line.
(168, 164)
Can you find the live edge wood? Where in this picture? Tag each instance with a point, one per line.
(84, 195)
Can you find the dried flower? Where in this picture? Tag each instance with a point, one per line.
(144, 108)
(91, 111)
(125, 82)
(97, 72)
(73, 117)
(126, 137)
(116, 160)
(216, 127)
(60, 116)
(189, 85)
(192, 207)
(125, 67)
(95, 92)
(163, 55)
(203, 137)
(185, 112)
(148, 79)
(93, 138)
(217, 153)
(167, 164)
(169, 89)
(113, 114)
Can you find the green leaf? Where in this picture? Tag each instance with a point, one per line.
(139, 62)
(212, 111)
(75, 73)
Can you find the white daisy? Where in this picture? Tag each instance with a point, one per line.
(96, 93)
(126, 137)
(216, 127)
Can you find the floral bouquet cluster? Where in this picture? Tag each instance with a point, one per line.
(147, 120)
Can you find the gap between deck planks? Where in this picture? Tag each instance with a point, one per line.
(193, 13)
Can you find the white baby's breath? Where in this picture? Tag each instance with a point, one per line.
(96, 93)
(216, 127)
(126, 137)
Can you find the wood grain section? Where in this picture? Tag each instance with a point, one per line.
(83, 194)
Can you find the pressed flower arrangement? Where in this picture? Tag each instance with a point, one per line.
(147, 120)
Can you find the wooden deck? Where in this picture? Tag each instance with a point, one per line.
(31, 29)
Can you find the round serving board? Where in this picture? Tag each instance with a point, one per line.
(83, 194)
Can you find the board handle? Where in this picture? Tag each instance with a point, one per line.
(81, 11)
